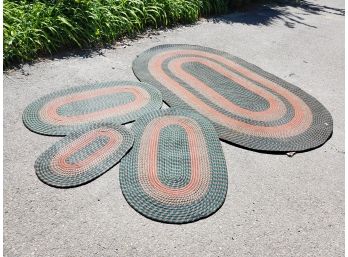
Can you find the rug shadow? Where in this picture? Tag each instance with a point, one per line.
(275, 152)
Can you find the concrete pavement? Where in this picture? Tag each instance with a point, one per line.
(276, 205)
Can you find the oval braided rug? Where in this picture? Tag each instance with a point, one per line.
(248, 106)
(176, 170)
(83, 155)
(64, 111)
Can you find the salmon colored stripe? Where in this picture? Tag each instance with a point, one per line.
(182, 196)
(302, 114)
(49, 112)
(199, 159)
(195, 175)
(276, 108)
(59, 162)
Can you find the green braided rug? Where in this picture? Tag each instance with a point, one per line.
(83, 155)
(248, 106)
(64, 111)
(176, 170)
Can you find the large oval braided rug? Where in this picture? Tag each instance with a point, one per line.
(66, 110)
(176, 170)
(248, 106)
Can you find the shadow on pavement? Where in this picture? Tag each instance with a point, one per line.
(267, 13)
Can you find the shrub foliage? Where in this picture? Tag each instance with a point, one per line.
(35, 27)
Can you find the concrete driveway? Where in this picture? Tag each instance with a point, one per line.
(276, 205)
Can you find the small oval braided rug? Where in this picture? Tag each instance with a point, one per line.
(66, 110)
(176, 171)
(83, 155)
(248, 106)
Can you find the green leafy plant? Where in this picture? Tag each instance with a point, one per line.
(36, 27)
